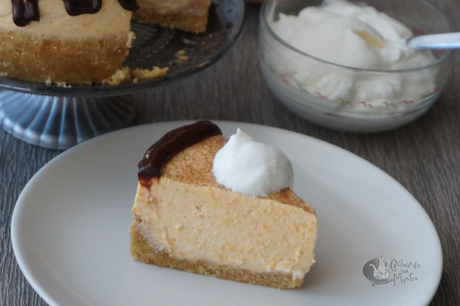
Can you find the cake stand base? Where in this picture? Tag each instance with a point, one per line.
(62, 122)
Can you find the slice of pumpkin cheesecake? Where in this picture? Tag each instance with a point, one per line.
(184, 219)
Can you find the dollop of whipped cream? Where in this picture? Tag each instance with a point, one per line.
(250, 167)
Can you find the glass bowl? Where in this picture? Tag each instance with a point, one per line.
(380, 99)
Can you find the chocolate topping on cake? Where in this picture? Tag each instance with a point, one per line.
(129, 5)
(25, 11)
(171, 144)
(78, 7)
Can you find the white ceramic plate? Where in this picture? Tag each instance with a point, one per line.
(70, 231)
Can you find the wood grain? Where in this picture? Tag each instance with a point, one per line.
(423, 156)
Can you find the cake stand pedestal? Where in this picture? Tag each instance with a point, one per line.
(59, 117)
(62, 122)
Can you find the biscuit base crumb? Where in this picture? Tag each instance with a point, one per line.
(125, 75)
(122, 75)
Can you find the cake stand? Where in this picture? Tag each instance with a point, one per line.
(60, 117)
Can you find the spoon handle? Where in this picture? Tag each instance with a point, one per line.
(435, 41)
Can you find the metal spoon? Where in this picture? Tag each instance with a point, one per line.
(430, 41)
(435, 41)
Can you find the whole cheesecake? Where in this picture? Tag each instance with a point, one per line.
(82, 42)
(184, 219)
(62, 41)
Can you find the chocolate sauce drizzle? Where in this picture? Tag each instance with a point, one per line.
(171, 144)
(25, 11)
(129, 5)
(78, 7)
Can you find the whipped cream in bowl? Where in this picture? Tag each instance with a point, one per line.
(345, 65)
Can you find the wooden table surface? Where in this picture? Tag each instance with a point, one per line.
(423, 156)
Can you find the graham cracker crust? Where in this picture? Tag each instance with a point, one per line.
(143, 252)
(57, 60)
